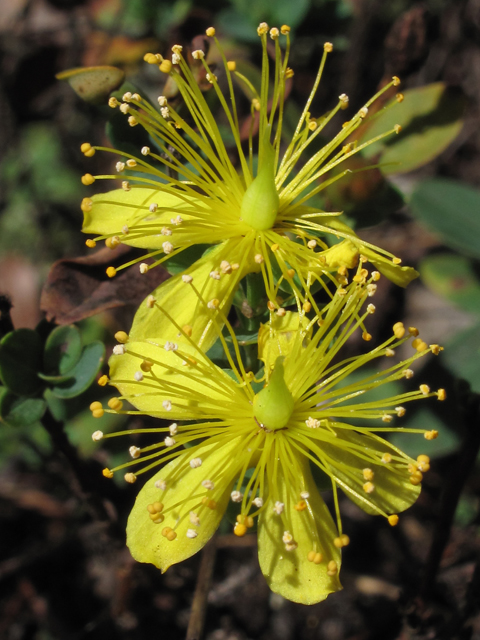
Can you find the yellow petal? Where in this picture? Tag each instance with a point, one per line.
(184, 386)
(277, 338)
(401, 276)
(290, 573)
(112, 211)
(183, 494)
(181, 302)
(393, 491)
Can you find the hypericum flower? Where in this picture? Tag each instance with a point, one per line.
(185, 190)
(233, 440)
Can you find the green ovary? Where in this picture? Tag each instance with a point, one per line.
(260, 202)
(273, 406)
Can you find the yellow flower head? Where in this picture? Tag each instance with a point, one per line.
(185, 189)
(253, 441)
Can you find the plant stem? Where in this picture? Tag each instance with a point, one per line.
(199, 604)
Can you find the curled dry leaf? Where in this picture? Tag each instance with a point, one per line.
(78, 288)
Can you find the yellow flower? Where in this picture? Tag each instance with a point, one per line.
(185, 190)
(234, 439)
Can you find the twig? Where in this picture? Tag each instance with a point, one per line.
(469, 409)
(80, 478)
(199, 604)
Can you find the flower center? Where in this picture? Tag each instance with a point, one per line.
(273, 406)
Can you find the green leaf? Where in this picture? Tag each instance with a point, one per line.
(63, 349)
(431, 118)
(452, 277)
(462, 356)
(20, 360)
(84, 372)
(451, 210)
(93, 84)
(20, 412)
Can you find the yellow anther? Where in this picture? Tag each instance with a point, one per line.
(249, 521)
(158, 518)
(86, 205)
(441, 394)
(262, 28)
(289, 73)
(157, 507)
(425, 389)
(284, 29)
(312, 125)
(338, 543)
(169, 533)
(413, 331)
(187, 330)
(332, 568)
(231, 65)
(146, 366)
(275, 247)
(343, 271)
(258, 258)
(115, 404)
(210, 32)
(345, 540)
(376, 275)
(393, 520)
(113, 242)
(368, 474)
(369, 487)
(430, 435)
(300, 506)
(397, 261)
(274, 33)
(90, 243)
(366, 336)
(103, 381)
(386, 458)
(423, 458)
(111, 272)
(88, 179)
(398, 330)
(395, 81)
(151, 58)
(213, 304)
(107, 473)
(419, 344)
(239, 529)
(87, 150)
(98, 413)
(95, 406)
(121, 336)
(328, 47)
(397, 128)
(291, 273)
(113, 102)
(256, 104)
(318, 558)
(211, 504)
(436, 348)
(416, 477)
(271, 305)
(130, 478)
(307, 306)
(400, 97)
(311, 556)
(165, 66)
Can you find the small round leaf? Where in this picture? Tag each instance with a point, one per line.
(84, 372)
(63, 349)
